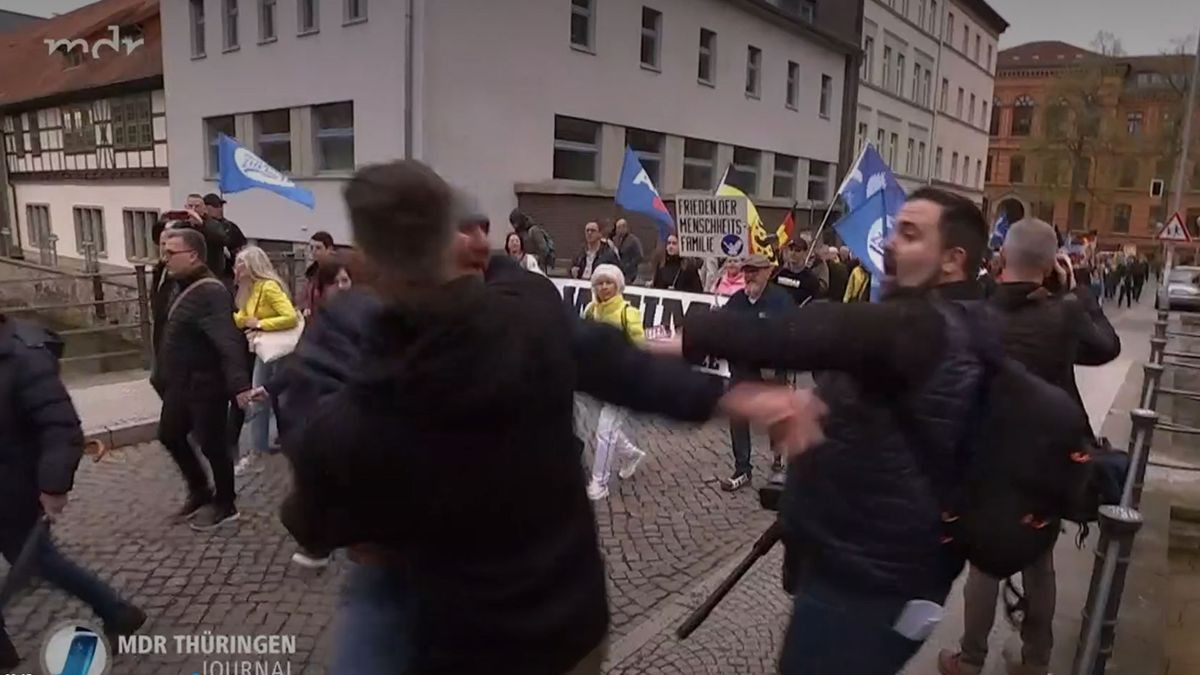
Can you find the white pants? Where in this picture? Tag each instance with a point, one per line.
(611, 440)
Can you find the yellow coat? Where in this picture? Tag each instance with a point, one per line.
(856, 288)
(618, 312)
(270, 305)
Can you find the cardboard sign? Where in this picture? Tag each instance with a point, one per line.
(712, 227)
(662, 311)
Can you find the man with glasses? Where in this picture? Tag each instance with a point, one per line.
(595, 252)
(200, 366)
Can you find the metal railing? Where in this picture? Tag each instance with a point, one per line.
(98, 305)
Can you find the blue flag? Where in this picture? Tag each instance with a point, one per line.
(864, 232)
(871, 175)
(999, 232)
(241, 169)
(636, 192)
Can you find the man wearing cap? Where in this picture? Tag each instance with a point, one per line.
(214, 209)
(762, 299)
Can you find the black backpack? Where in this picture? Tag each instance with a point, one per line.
(1027, 461)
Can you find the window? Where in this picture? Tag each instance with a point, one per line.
(994, 128)
(651, 32)
(880, 134)
(916, 82)
(139, 240)
(989, 61)
(945, 94)
(1083, 169)
(958, 110)
(900, 75)
(893, 142)
(581, 23)
(966, 38)
(1121, 214)
(132, 128)
(1133, 123)
(978, 45)
(1129, 173)
(933, 17)
(806, 9)
(354, 10)
(818, 181)
(954, 168)
(1022, 123)
(79, 135)
(309, 14)
(1054, 120)
(89, 230)
(1016, 169)
(699, 161)
(927, 90)
(949, 27)
(826, 94)
(971, 111)
(753, 70)
(37, 219)
(908, 157)
(35, 135)
(197, 24)
(868, 64)
(708, 57)
(273, 138)
(793, 84)
(229, 17)
(213, 128)
(861, 136)
(266, 20)
(743, 173)
(921, 158)
(1044, 211)
(988, 170)
(920, 12)
(983, 118)
(937, 165)
(1051, 169)
(887, 68)
(904, 8)
(784, 181)
(333, 125)
(648, 146)
(966, 174)
(576, 149)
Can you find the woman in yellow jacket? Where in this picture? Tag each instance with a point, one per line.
(262, 305)
(611, 307)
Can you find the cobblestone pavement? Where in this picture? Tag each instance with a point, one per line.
(662, 531)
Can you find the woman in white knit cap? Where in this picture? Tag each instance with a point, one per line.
(610, 306)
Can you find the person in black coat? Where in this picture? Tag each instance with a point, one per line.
(481, 375)
(629, 250)
(673, 273)
(41, 443)
(199, 367)
(795, 277)
(596, 251)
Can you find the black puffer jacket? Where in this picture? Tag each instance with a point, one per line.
(862, 507)
(201, 348)
(41, 441)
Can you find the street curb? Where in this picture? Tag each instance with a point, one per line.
(125, 434)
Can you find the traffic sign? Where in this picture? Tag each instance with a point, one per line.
(1174, 230)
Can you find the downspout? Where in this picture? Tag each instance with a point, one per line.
(409, 75)
(935, 95)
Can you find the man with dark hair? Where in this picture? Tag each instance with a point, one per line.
(535, 238)
(861, 512)
(596, 252)
(320, 246)
(235, 240)
(451, 369)
(200, 366)
(795, 276)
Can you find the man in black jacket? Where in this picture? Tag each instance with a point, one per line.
(453, 370)
(629, 249)
(235, 240)
(596, 252)
(41, 443)
(199, 367)
(1050, 335)
(861, 511)
(796, 277)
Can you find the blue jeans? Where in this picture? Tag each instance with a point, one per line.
(834, 631)
(56, 568)
(260, 413)
(374, 623)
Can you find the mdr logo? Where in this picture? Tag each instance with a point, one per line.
(75, 648)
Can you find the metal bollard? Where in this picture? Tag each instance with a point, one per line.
(1157, 346)
(1160, 329)
(1140, 439)
(1118, 525)
(1151, 381)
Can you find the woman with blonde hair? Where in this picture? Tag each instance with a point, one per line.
(263, 308)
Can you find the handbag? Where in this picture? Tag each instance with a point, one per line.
(275, 344)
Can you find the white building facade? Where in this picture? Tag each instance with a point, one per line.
(524, 103)
(926, 89)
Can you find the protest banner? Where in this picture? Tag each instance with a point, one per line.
(712, 227)
(662, 311)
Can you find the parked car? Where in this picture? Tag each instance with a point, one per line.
(1181, 289)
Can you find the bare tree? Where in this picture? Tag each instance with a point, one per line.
(1171, 87)
(1107, 44)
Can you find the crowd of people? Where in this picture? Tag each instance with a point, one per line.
(404, 381)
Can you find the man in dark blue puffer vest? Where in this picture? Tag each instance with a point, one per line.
(861, 510)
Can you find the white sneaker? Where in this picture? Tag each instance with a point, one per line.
(243, 465)
(304, 560)
(631, 466)
(596, 491)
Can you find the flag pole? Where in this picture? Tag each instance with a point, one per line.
(817, 236)
(841, 188)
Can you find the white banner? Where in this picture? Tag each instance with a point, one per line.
(661, 310)
(712, 227)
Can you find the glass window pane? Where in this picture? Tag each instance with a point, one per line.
(574, 165)
(575, 130)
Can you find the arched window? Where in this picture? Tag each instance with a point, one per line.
(1022, 124)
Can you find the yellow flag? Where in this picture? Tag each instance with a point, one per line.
(758, 234)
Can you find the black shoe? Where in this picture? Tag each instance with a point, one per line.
(194, 502)
(9, 658)
(735, 482)
(212, 515)
(778, 475)
(127, 622)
